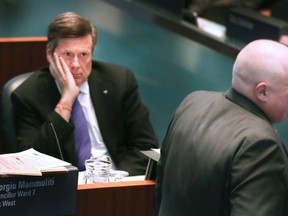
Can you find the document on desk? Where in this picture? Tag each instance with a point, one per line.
(29, 162)
(13, 165)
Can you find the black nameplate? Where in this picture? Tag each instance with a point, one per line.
(52, 194)
(248, 25)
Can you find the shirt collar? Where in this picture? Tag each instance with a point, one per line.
(84, 88)
(245, 102)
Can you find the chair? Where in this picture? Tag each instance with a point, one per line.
(8, 121)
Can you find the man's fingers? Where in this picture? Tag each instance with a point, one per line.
(59, 72)
(64, 66)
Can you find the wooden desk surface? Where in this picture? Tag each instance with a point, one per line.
(135, 198)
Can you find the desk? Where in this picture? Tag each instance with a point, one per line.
(133, 198)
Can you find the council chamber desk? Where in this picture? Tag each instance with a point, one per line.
(131, 198)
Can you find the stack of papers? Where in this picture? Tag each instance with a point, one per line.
(30, 162)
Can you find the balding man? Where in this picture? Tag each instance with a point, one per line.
(221, 155)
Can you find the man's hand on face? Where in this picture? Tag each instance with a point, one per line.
(61, 72)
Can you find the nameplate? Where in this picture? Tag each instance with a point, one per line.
(248, 25)
(53, 193)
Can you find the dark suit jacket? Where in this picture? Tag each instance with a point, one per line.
(123, 119)
(221, 157)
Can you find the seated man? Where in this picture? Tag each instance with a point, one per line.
(117, 121)
(221, 154)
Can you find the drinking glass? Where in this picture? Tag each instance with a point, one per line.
(97, 169)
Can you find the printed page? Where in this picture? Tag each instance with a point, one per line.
(41, 161)
(13, 165)
(30, 162)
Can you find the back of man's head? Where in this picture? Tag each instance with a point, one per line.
(261, 70)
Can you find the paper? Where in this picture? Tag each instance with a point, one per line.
(125, 179)
(30, 162)
(156, 150)
(41, 161)
(15, 166)
(211, 27)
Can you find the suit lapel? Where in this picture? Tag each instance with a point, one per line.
(49, 95)
(101, 92)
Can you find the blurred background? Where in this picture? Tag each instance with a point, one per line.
(160, 40)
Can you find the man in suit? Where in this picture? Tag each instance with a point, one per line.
(118, 122)
(221, 154)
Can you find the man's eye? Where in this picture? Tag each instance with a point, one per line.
(67, 54)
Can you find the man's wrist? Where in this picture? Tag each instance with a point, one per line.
(64, 111)
(61, 106)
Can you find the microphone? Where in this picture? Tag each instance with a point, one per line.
(57, 140)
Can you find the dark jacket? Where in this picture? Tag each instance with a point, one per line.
(221, 157)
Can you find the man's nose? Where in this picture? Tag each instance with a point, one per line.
(75, 62)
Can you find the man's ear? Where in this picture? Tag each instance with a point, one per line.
(48, 50)
(260, 91)
(49, 53)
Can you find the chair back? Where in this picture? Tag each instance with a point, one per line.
(8, 120)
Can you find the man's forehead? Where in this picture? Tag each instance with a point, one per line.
(73, 44)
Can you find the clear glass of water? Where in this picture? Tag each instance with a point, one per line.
(97, 169)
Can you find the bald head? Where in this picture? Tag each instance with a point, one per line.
(260, 68)
(261, 60)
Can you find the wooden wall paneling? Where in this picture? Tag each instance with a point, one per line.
(20, 55)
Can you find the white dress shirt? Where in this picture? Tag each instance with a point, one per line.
(98, 146)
